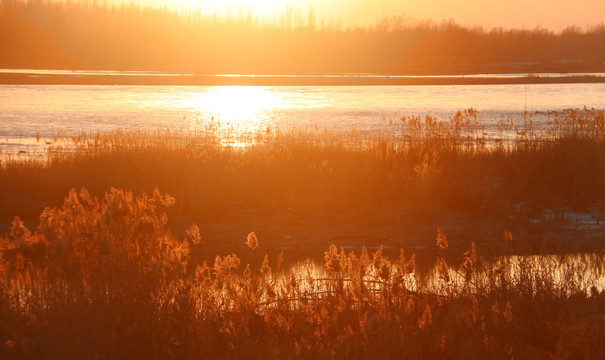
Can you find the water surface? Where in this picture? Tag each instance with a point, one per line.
(28, 110)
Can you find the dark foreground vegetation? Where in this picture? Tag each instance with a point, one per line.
(105, 278)
(95, 35)
(122, 272)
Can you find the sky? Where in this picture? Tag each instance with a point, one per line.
(529, 14)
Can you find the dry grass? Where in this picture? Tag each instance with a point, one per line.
(422, 168)
(105, 278)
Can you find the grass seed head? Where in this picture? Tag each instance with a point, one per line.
(441, 240)
(252, 241)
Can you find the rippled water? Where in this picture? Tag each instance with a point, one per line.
(26, 110)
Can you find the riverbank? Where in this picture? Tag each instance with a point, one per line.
(86, 78)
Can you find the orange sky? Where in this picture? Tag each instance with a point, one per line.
(552, 14)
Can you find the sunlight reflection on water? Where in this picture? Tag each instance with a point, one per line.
(564, 274)
(246, 106)
(27, 110)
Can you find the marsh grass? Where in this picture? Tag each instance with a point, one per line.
(113, 275)
(420, 168)
(106, 278)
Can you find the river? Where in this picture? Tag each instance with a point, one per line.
(47, 110)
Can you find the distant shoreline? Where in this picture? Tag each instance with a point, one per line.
(17, 78)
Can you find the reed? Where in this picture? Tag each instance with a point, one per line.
(105, 278)
(114, 274)
(419, 169)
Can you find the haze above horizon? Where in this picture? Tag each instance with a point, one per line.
(507, 14)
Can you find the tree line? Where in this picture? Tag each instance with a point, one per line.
(94, 35)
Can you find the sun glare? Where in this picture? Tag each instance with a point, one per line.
(233, 111)
(243, 105)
